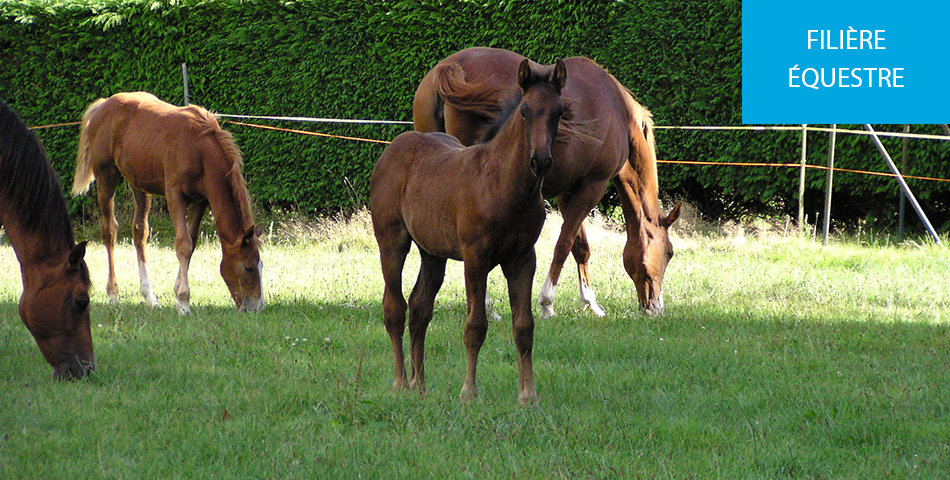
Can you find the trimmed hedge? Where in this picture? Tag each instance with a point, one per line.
(345, 59)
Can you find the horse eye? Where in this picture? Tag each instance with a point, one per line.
(249, 269)
(524, 110)
(81, 303)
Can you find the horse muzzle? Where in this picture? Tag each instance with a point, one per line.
(654, 306)
(73, 369)
(541, 165)
(253, 305)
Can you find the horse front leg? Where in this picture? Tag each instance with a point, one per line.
(421, 303)
(184, 248)
(476, 323)
(581, 253)
(140, 233)
(574, 209)
(393, 247)
(520, 276)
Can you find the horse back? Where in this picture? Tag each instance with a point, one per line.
(148, 140)
(415, 186)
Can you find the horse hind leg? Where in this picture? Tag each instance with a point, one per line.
(581, 253)
(140, 234)
(108, 181)
(421, 302)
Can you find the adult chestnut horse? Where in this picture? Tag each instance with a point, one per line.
(55, 301)
(180, 153)
(612, 140)
(480, 204)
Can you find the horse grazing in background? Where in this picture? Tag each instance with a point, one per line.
(55, 301)
(180, 153)
(480, 204)
(611, 139)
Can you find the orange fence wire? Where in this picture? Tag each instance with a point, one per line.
(679, 162)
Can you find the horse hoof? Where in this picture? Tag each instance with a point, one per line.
(184, 309)
(596, 310)
(547, 311)
(151, 301)
(468, 395)
(528, 400)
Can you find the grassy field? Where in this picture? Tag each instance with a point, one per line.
(776, 358)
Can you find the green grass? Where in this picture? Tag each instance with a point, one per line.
(776, 358)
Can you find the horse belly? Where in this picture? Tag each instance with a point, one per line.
(433, 230)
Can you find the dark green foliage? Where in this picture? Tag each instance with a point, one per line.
(345, 59)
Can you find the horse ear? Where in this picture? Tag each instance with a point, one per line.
(76, 255)
(559, 77)
(673, 216)
(525, 76)
(252, 232)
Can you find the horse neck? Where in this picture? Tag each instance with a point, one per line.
(231, 211)
(35, 252)
(506, 158)
(638, 190)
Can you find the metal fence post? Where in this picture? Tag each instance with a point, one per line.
(826, 225)
(903, 199)
(801, 182)
(184, 78)
(906, 189)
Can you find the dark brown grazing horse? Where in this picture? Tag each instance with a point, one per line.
(55, 301)
(180, 153)
(612, 139)
(479, 204)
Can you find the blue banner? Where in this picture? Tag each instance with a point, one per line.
(852, 62)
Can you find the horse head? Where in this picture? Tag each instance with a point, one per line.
(55, 309)
(541, 110)
(241, 270)
(646, 260)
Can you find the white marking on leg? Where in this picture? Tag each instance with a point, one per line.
(183, 292)
(145, 286)
(546, 298)
(590, 300)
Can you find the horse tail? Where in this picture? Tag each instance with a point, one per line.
(473, 98)
(84, 175)
(428, 108)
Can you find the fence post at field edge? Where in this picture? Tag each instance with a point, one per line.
(826, 221)
(184, 79)
(903, 200)
(903, 183)
(801, 183)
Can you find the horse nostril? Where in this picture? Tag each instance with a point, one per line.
(541, 166)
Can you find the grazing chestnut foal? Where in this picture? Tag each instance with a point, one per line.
(481, 205)
(182, 154)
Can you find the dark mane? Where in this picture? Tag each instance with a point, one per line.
(566, 127)
(28, 185)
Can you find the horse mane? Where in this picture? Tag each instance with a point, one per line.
(231, 151)
(28, 181)
(640, 118)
